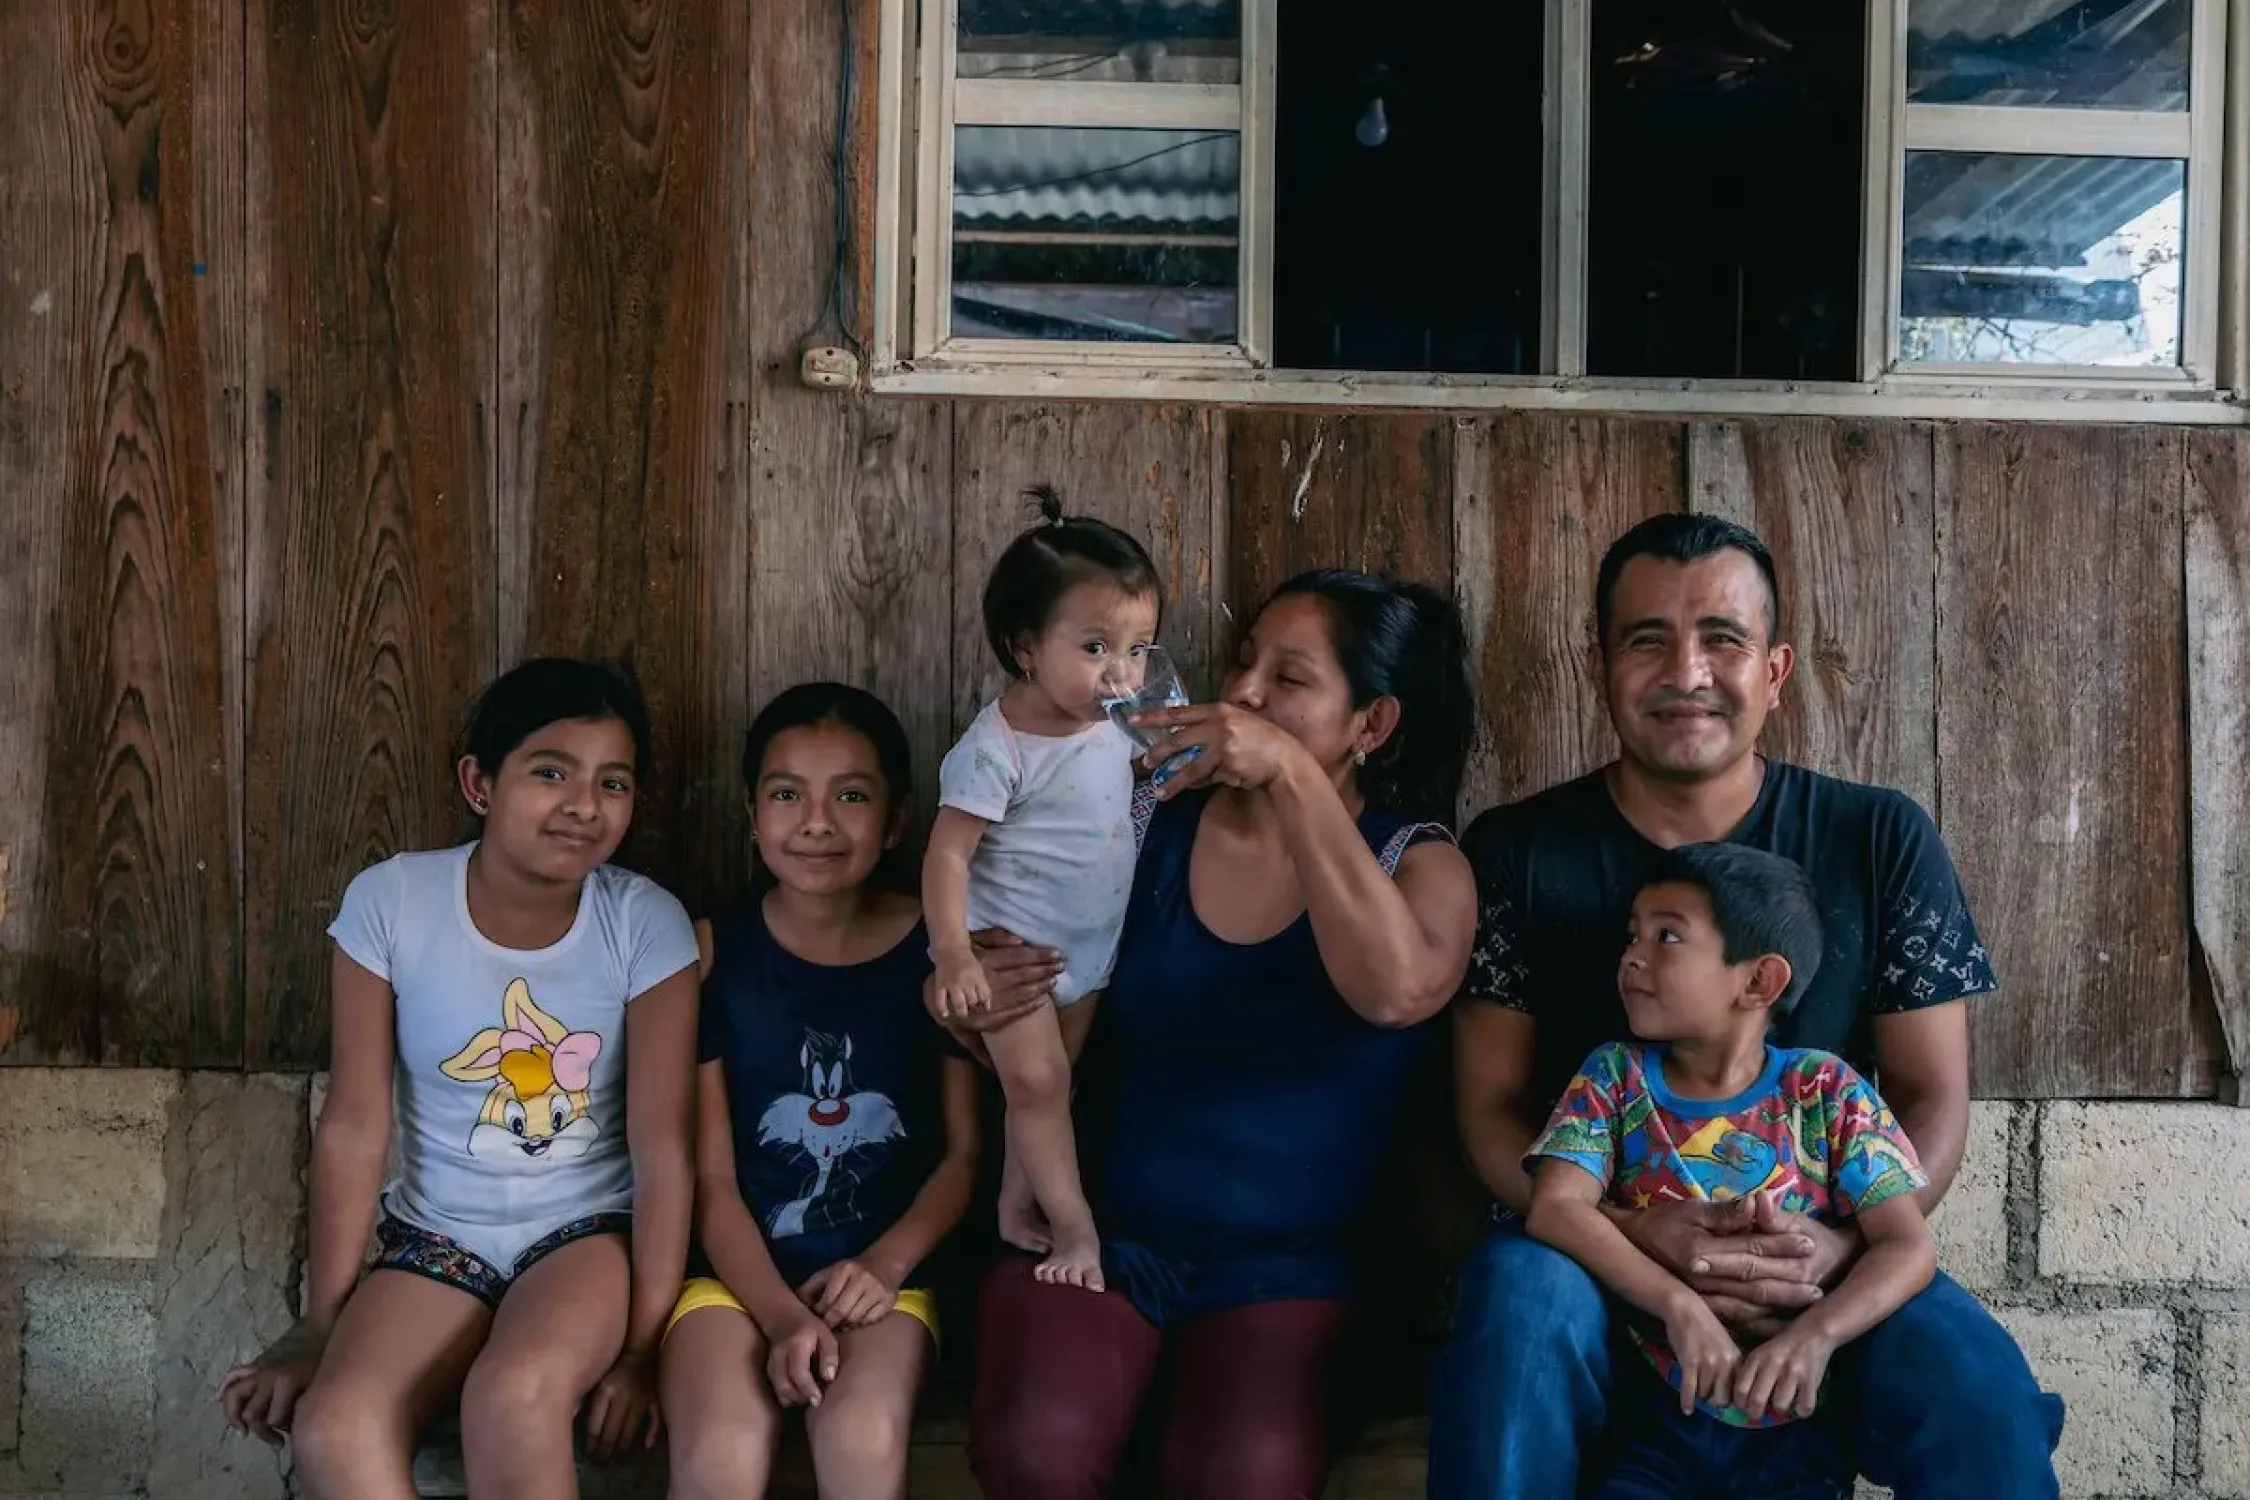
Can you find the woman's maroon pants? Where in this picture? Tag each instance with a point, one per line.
(1062, 1374)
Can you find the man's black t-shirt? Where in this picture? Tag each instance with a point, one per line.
(1557, 873)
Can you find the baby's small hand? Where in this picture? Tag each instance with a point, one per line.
(962, 988)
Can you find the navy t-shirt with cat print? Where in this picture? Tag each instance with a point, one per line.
(832, 1075)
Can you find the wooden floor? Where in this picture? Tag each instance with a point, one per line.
(1386, 1463)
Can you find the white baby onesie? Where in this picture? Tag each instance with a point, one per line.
(1055, 865)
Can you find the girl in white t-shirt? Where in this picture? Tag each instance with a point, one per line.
(1034, 835)
(518, 1019)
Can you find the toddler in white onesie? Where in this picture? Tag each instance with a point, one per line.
(1034, 835)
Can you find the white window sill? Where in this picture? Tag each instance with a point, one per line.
(2005, 398)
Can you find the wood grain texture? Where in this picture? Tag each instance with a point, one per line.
(369, 576)
(2218, 667)
(1327, 491)
(850, 498)
(133, 955)
(48, 299)
(1540, 500)
(619, 294)
(2062, 765)
(1846, 510)
(1145, 470)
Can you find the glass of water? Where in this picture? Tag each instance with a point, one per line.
(1141, 684)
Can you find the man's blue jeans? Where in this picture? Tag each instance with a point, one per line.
(1937, 1402)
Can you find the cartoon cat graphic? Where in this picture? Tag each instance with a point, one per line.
(535, 1113)
(828, 1121)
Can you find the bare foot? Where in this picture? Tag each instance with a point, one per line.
(1021, 1223)
(1077, 1261)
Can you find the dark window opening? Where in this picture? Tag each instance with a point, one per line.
(1724, 189)
(1408, 166)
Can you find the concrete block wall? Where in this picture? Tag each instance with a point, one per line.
(151, 1225)
(152, 1232)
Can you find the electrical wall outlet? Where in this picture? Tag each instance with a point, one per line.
(829, 368)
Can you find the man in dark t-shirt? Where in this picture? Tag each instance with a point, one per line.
(1935, 1402)
(1555, 881)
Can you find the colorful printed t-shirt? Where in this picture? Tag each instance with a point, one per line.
(1810, 1131)
(510, 1084)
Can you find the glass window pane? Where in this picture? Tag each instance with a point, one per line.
(1723, 188)
(1408, 165)
(2091, 54)
(1068, 233)
(2045, 260)
(1101, 41)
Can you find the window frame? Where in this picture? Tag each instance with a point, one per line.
(939, 101)
(917, 109)
(2194, 137)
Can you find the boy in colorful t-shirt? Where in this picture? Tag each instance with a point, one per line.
(1722, 940)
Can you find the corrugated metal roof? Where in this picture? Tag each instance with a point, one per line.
(1094, 18)
(2036, 211)
(1149, 181)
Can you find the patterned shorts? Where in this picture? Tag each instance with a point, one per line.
(401, 1246)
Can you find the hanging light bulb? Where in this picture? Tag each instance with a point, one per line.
(1374, 125)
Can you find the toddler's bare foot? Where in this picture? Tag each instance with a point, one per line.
(1076, 1261)
(1021, 1223)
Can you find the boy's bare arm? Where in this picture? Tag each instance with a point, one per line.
(1785, 1373)
(1566, 1212)
(1899, 1261)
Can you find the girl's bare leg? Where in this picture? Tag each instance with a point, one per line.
(719, 1410)
(1034, 1070)
(558, 1330)
(864, 1425)
(396, 1356)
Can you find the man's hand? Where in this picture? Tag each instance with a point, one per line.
(1755, 1266)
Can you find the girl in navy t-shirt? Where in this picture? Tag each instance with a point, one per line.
(837, 1127)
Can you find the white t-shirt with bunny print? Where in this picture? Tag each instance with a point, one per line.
(1055, 865)
(509, 1091)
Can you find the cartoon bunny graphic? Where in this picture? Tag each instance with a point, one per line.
(536, 1111)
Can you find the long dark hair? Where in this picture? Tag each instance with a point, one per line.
(1042, 564)
(809, 705)
(1404, 641)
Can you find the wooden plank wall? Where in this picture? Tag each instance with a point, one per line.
(348, 354)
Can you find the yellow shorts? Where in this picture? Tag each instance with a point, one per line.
(708, 1291)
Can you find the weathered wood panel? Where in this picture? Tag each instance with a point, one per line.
(2218, 667)
(1145, 470)
(1846, 509)
(48, 301)
(850, 499)
(369, 573)
(2061, 757)
(1326, 491)
(131, 954)
(619, 288)
(1540, 501)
